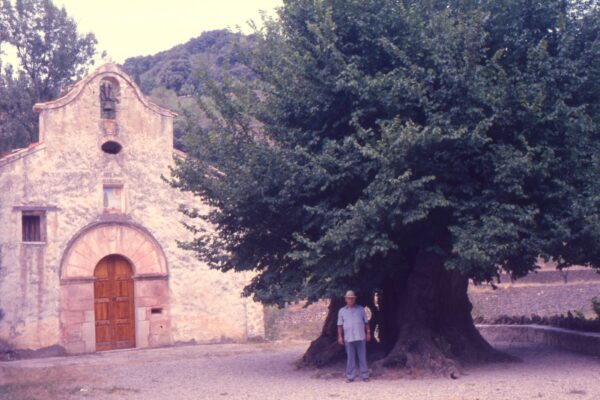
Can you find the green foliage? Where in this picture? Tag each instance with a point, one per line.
(378, 129)
(596, 306)
(51, 55)
(18, 123)
(213, 52)
(175, 73)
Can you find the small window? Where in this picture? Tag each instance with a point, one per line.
(113, 199)
(33, 228)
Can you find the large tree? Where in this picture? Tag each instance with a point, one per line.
(403, 147)
(51, 54)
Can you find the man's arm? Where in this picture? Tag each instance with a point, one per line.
(340, 334)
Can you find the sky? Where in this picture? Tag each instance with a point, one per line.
(128, 28)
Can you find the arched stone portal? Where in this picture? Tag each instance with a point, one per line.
(132, 244)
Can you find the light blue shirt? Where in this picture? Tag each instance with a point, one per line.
(353, 321)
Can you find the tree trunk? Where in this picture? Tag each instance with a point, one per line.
(425, 324)
(325, 349)
(436, 332)
(388, 308)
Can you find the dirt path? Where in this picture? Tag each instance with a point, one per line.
(266, 371)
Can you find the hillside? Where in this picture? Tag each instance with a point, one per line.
(169, 78)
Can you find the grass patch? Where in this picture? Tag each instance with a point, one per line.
(29, 390)
(577, 391)
(118, 389)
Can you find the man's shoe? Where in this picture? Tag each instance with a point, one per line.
(366, 380)
(348, 380)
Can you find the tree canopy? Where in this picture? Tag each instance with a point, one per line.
(51, 55)
(377, 129)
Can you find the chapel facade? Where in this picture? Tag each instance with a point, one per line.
(89, 259)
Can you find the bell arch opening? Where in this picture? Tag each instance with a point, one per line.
(109, 97)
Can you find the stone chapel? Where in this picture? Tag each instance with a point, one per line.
(89, 259)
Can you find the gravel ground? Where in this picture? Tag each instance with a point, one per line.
(266, 371)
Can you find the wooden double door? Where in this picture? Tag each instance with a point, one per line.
(114, 304)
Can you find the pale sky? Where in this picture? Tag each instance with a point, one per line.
(127, 28)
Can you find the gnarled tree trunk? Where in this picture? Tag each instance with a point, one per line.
(435, 328)
(425, 324)
(325, 349)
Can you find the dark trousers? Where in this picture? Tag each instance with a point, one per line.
(353, 350)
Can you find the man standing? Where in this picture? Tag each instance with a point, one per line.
(354, 332)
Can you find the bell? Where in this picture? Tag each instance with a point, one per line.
(108, 106)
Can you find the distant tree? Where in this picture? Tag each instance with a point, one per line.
(175, 73)
(16, 114)
(51, 55)
(403, 148)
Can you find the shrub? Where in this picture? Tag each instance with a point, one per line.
(596, 305)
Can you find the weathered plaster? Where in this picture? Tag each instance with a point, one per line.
(65, 176)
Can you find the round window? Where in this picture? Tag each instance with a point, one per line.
(111, 147)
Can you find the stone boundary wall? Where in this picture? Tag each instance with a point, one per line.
(574, 274)
(544, 300)
(564, 339)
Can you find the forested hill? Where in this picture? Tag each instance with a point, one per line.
(169, 77)
(172, 69)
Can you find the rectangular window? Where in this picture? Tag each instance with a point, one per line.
(33, 228)
(113, 199)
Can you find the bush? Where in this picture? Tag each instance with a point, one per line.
(596, 306)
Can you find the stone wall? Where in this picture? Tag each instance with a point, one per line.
(586, 343)
(64, 176)
(545, 293)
